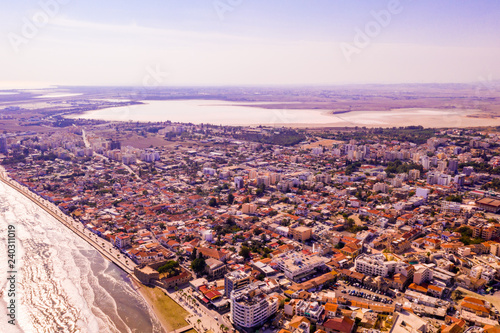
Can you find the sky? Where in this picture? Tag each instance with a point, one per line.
(247, 42)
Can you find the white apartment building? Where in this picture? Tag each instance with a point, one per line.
(382, 187)
(311, 310)
(422, 192)
(449, 206)
(251, 306)
(482, 271)
(298, 265)
(414, 174)
(377, 265)
(422, 274)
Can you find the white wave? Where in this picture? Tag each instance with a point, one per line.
(63, 284)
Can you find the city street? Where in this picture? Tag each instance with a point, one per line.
(201, 318)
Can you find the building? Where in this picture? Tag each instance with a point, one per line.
(238, 182)
(380, 187)
(310, 310)
(463, 251)
(212, 253)
(489, 204)
(414, 174)
(263, 180)
(249, 208)
(429, 301)
(215, 268)
(400, 245)
(453, 165)
(495, 249)
(450, 207)
(338, 325)
(302, 233)
(298, 265)
(183, 277)
(475, 305)
(422, 192)
(483, 272)
(3, 144)
(235, 280)
(122, 241)
(422, 274)
(406, 322)
(251, 306)
(378, 265)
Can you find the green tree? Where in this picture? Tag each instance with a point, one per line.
(193, 254)
(198, 265)
(245, 252)
(212, 202)
(230, 198)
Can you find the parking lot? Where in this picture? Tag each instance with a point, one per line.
(360, 294)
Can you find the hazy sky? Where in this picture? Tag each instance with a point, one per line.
(224, 42)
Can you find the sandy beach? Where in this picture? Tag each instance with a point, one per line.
(169, 313)
(160, 304)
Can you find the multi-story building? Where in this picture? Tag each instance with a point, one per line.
(251, 306)
(482, 272)
(422, 274)
(400, 245)
(450, 207)
(3, 144)
(382, 187)
(298, 265)
(235, 280)
(310, 310)
(495, 249)
(378, 265)
(249, 208)
(238, 182)
(489, 204)
(488, 232)
(215, 268)
(302, 233)
(414, 174)
(263, 180)
(453, 165)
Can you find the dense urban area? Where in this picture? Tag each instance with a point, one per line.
(286, 230)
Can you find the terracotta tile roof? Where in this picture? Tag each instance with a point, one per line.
(342, 325)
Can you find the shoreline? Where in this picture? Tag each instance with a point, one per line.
(152, 305)
(67, 221)
(428, 117)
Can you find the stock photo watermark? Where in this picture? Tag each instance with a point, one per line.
(31, 26)
(154, 77)
(485, 84)
(11, 274)
(363, 37)
(282, 117)
(224, 6)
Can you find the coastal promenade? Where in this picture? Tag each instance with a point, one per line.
(104, 247)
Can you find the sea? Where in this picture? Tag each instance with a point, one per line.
(62, 284)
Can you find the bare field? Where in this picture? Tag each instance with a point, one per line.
(493, 299)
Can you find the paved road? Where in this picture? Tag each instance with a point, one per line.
(101, 245)
(87, 145)
(199, 312)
